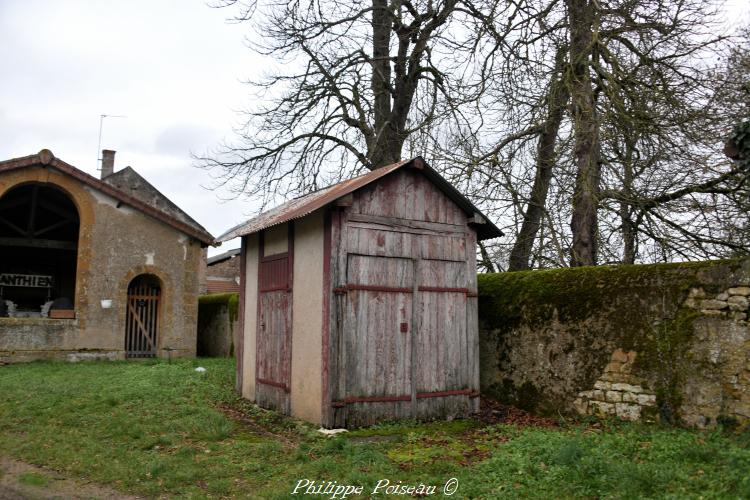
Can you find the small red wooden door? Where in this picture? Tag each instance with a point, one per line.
(274, 334)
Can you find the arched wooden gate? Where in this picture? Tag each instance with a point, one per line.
(142, 317)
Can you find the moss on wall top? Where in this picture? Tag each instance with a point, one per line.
(230, 300)
(507, 299)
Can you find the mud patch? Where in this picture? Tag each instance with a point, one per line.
(22, 481)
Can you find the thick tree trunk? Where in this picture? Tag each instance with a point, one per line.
(557, 98)
(583, 223)
(384, 148)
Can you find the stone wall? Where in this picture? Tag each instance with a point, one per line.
(228, 268)
(218, 325)
(665, 342)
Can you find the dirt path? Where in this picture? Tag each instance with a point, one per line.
(21, 481)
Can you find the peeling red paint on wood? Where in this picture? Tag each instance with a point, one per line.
(278, 385)
(406, 397)
(274, 335)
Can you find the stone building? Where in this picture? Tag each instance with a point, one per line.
(94, 268)
(223, 272)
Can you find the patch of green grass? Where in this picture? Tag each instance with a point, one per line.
(158, 429)
(33, 479)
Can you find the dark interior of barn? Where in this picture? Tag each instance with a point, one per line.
(38, 251)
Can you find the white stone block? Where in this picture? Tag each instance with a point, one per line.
(629, 397)
(600, 384)
(713, 304)
(580, 406)
(646, 399)
(738, 303)
(628, 411)
(613, 396)
(627, 388)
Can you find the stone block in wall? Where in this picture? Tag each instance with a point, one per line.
(601, 408)
(713, 304)
(581, 406)
(627, 387)
(739, 290)
(629, 397)
(627, 411)
(613, 396)
(646, 399)
(738, 303)
(619, 356)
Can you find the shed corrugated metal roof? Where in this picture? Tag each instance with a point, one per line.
(307, 204)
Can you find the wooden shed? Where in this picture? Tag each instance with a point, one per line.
(358, 302)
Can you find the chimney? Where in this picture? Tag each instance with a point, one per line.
(108, 162)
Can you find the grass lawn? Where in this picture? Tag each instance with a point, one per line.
(153, 428)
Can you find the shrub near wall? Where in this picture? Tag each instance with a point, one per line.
(665, 341)
(217, 324)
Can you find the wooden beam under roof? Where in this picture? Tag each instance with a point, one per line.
(38, 243)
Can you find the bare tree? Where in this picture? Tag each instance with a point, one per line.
(557, 99)
(359, 80)
(589, 129)
(643, 169)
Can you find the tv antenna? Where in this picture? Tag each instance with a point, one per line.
(101, 125)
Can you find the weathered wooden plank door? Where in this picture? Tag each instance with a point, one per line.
(374, 364)
(142, 318)
(442, 350)
(274, 336)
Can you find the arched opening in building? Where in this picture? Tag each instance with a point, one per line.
(39, 227)
(142, 317)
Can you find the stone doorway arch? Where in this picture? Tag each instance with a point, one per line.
(142, 317)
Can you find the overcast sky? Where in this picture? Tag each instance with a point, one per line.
(172, 67)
